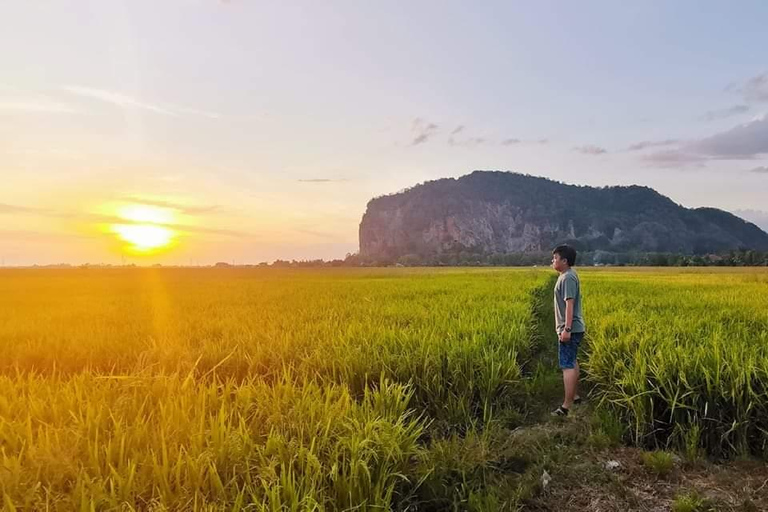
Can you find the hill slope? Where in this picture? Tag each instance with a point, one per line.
(502, 212)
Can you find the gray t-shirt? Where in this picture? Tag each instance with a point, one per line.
(567, 287)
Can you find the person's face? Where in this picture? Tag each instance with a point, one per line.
(558, 263)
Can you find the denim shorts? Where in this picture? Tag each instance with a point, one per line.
(569, 350)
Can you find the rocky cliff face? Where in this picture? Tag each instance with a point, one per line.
(501, 212)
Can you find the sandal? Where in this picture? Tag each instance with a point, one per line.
(560, 411)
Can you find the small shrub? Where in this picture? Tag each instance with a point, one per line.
(599, 441)
(607, 427)
(659, 462)
(689, 437)
(691, 502)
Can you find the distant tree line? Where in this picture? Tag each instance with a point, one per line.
(467, 258)
(734, 258)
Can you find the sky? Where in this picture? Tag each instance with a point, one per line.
(191, 132)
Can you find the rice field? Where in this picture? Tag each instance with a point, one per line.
(345, 389)
(247, 389)
(682, 354)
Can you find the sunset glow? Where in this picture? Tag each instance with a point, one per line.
(146, 213)
(146, 233)
(133, 140)
(144, 237)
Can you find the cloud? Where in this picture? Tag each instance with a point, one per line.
(756, 88)
(182, 208)
(513, 141)
(321, 180)
(213, 231)
(466, 141)
(651, 144)
(37, 105)
(674, 158)
(11, 208)
(422, 131)
(41, 236)
(112, 219)
(319, 234)
(124, 101)
(714, 115)
(760, 170)
(590, 149)
(742, 142)
(472, 141)
(44, 151)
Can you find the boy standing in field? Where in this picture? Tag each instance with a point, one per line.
(569, 323)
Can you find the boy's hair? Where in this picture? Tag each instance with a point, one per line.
(567, 252)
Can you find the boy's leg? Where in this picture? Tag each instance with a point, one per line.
(568, 355)
(571, 383)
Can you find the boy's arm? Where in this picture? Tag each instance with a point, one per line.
(568, 312)
(570, 290)
(566, 336)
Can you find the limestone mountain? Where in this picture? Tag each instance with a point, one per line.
(490, 212)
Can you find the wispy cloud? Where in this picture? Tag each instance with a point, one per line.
(44, 151)
(11, 208)
(651, 144)
(756, 88)
(42, 236)
(468, 142)
(180, 207)
(760, 170)
(320, 234)
(111, 219)
(321, 180)
(745, 141)
(742, 142)
(753, 90)
(673, 158)
(184, 228)
(458, 137)
(723, 113)
(590, 149)
(422, 131)
(514, 141)
(37, 105)
(125, 101)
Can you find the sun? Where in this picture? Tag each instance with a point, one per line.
(146, 229)
(144, 237)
